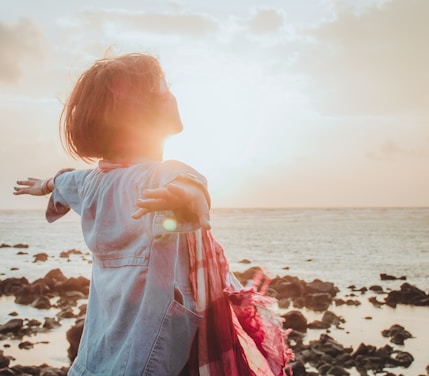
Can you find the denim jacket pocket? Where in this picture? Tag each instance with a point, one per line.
(172, 346)
(165, 222)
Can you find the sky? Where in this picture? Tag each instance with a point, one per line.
(310, 103)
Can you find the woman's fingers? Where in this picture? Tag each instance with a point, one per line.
(139, 213)
(31, 186)
(175, 195)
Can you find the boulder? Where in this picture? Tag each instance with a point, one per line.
(408, 294)
(318, 286)
(73, 337)
(397, 334)
(295, 320)
(317, 324)
(10, 286)
(40, 257)
(12, 326)
(4, 360)
(318, 301)
(332, 319)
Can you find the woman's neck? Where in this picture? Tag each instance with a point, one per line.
(153, 152)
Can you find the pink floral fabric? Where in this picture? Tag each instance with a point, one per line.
(240, 333)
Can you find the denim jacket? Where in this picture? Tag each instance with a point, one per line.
(141, 316)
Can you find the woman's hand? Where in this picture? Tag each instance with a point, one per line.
(34, 187)
(181, 195)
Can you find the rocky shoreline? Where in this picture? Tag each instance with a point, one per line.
(324, 356)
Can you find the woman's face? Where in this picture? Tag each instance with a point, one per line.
(168, 112)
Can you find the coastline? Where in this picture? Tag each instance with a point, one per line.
(341, 246)
(363, 322)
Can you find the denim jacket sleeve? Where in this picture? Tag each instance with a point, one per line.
(66, 193)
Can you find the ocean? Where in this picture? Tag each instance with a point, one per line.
(346, 246)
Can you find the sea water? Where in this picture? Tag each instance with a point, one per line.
(346, 246)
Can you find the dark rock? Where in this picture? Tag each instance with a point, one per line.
(397, 334)
(7, 372)
(299, 302)
(75, 284)
(353, 302)
(373, 300)
(247, 275)
(376, 288)
(82, 310)
(26, 345)
(323, 368)
(66, 313)
(55, 275)
(73, 337)
(43, 370)
(363, 350)
(51, 323)
(387, 277)
(338, 371)
(66, 254)
(318, 301)
(368, 357)
(408, 294)
(42, 302)
(318, 286)
(288, 287)
(42, 257)
(362, 290)
(284, 303)
(295, 339)
(245, 261)
(33, 322)
(317, 324)
(339, 301)
(271, 292)
(295, 320)
(4, 360)
(10, 286)
(331, 318)
(298, 369)
(20, 245)
(401, 359)
(12, 326)
(329, 346)
(26, 295)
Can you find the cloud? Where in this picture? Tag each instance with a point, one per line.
(372, 62)
(18, 42)
(390, 150)
(159, 23)
(266, 21)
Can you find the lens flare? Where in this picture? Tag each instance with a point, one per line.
(169, 224)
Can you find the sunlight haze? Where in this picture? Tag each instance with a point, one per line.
(290, 104)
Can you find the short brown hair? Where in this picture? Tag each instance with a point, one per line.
(113, 92)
